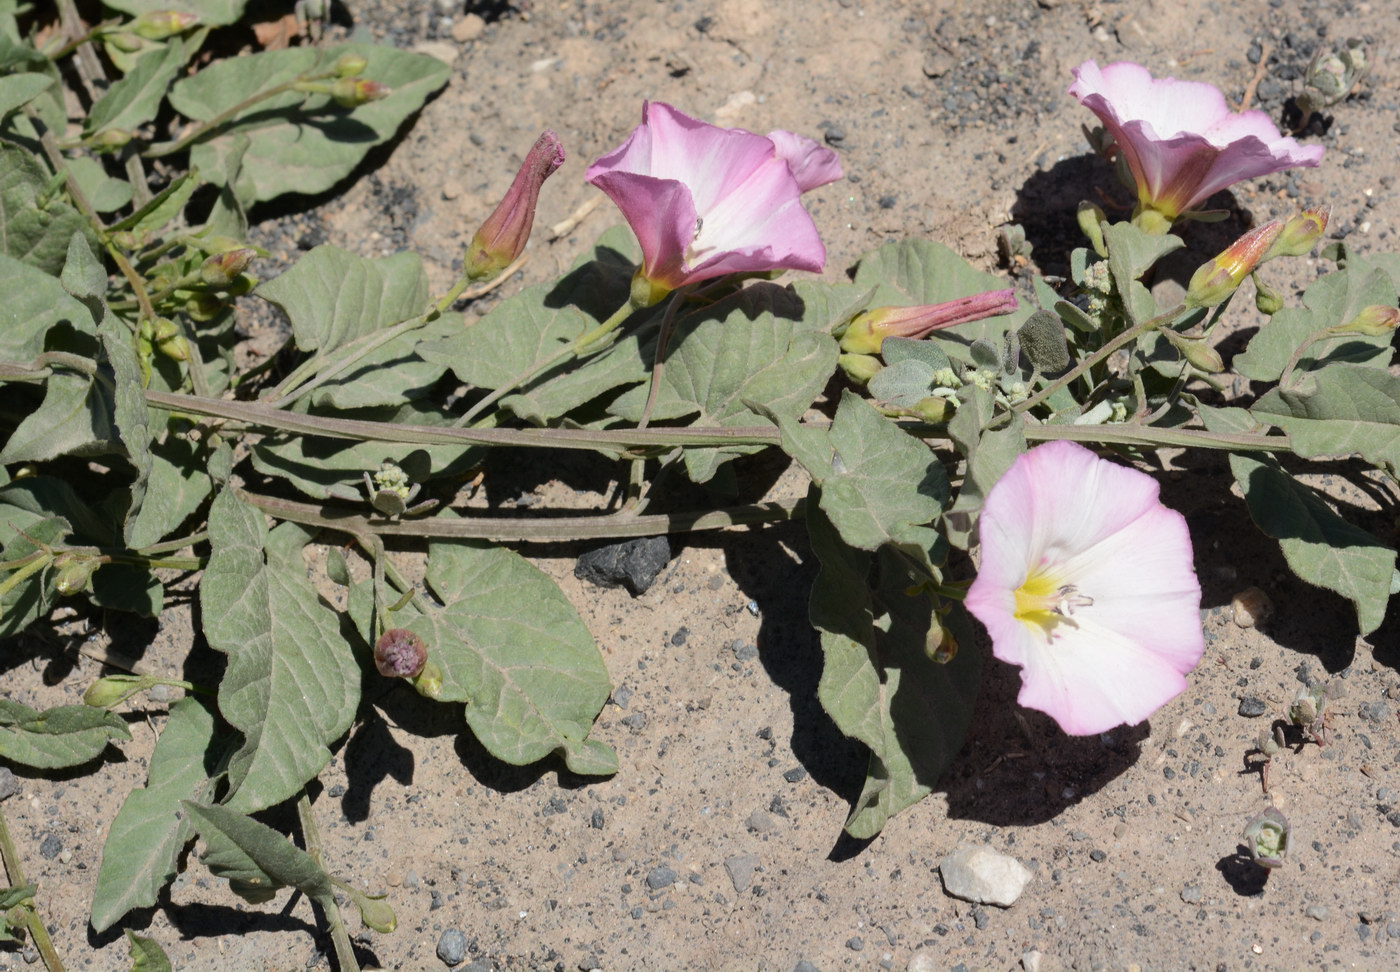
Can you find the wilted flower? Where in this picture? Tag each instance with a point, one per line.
(706, 201)
(503, 236)
(1086, 582)
(1218, 278)
(867, 332)
(400, 653)
(1180, 139)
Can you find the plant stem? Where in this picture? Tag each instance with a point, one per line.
(14, 872)
(1286, 379)
(575, 349)
(538, 529)
(344, 950)
(161, 149)
(1102, 354)
(170, 546)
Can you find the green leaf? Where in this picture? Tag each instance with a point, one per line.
(1132, 252)
(989, 455)
(135, 99)
(149, 831)
(17, 90)
(903, 383)
(255, 859)
(68, 735)
(757, 346)
(181, 484)
(128, 587)
(36, 223)
(292, 684)
(214, 13)
(23, 532)
(914, 272)
(392, 373)
(513, 648)
(75, 418)
(1320, 547)
(879, 683)
(133, 422)
(1340, 410)
(897, 350)
(146, 954)
(297, 142)
(9, 897)
(878, 484)
(163, 206)
(1332, 299)
(332, 297)
(1043, 340)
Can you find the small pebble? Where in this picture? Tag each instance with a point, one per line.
(597, 820)
(1098, 856)
(924, 960)
(741, 870)
(855, 943)
(760, 822)
(469, 28)
(805, 966)
(661, 877)
(1191, 894)
(1250, 707)
(50, 847)
(1250, 607)
(795, 775)
(452, 946)
(1317, 912)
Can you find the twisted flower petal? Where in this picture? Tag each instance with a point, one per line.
(1086, 582)
(706, 201)
(1180, 139)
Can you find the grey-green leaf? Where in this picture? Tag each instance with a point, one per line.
(1043, 341)
(1340, 410)
(253, 855)
(23, 603)
(75, 418)
(68, 735)
(135, 99)
(34, 230)
(214, 13)
(292, 684)
(151, 828)
(146, 954)
(180, 480)
(17, 90)
(35, 303)
(988, 454)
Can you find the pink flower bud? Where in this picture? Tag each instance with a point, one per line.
(353, 92)
(1374, 321)
(222, 269)
(1217, 279)
(867, 332)
(502, 237)
(400, 653)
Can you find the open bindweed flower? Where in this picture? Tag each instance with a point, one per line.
(1180, 139)
(706, 201)
(1087, 583)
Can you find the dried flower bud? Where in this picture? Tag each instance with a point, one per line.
(503, 236)
(1266, 837)
(1217, 279)
(1301, 233)
(400, 653)
(350, 65)
(221, 269)
(353, 92)
(1374, 321)
(157, 25)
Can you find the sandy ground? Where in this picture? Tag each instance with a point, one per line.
(719, 845)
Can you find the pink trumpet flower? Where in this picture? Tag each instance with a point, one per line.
(1086, 582)
(706, 201)
(1180, 139)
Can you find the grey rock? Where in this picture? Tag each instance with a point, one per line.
(983, 876)
(597, 820)
(805, 966)
(452, 946)
(795, 775)
(1317, 912)
(481, 965)
(660, 877)
(9, 783)
(1191, 894)
(741, 870)
(1251, 708)
(924, 960)
(633, 564)
(760, 822)
(50, 847)
(855, 943)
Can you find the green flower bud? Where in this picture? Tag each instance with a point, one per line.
(109, 140)
(349, 65)
(429, 681)
(376, 913)
(204, 307)
(1266, 837)
(1374, 321)
(1198, 352)
(157, 25)
(124, 41)
(1217, 279)
(353, 92)
(75, 571)
(114, 690)
(934, 409)
(860, 368)
(1091, 219)
(1301, 233)
(1266, 299)
(221, 269)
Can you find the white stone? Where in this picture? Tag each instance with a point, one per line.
(924, 960)
(983, 876)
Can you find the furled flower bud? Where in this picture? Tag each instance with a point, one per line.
(204, 307)
(1267, 300)
(400, 653)
(222, 269)
(350, 65)
(860, 368)
(1266, 837)
(1301, 233)
(1197, 351)
(429, 681)
(114, 690)
(1217, 279)
(157, 25)
(1374, 321)
(502, 237)
(109, 140)
(75, 570)
(867, 332)
(353, 92)
(1091, 219)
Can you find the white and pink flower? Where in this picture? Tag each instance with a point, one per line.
(1180, 139)
(1086, 582)
(706, 201)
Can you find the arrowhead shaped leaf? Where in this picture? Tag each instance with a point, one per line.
(292, 684)
(135, 99)
(146, 954)
(151, 828)
(1131, 253)
(17, 90)
(1331, 300)
(33, 234)
(182, 483)
(35, 302)
(68, 735)
(914, 272)
(512, 647)
(879, 683)
(1340, 410)
(296, 142)
(253, 857)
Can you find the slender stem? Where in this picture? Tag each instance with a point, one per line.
(1286, 379)
(39, 562)
(575, 349)
(170, 546)
(1102, 354)
(161, 149)
(14, 872)
(658, 366)
(344, 950)
(512, 529)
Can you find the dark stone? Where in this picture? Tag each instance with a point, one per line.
(888, 202)
(633, 564)
(855, 943)
(452, 946)
(661, 877)
(679, 638)
(704, 24)
(795, 775)
(805, 966)
(596, 821)
(9, 785)
(50, 848)
(1251, 708)
(1097, 856)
